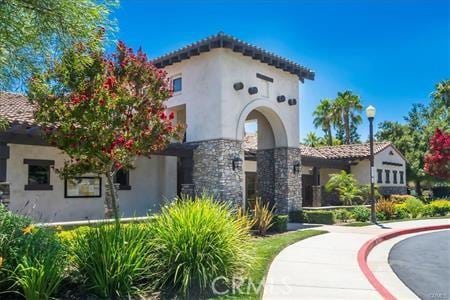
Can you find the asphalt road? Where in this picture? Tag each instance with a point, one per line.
(423, 264)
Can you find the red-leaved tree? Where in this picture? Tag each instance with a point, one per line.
(437, 159)
(103, 111)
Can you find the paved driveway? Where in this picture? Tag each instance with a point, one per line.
(423, 264)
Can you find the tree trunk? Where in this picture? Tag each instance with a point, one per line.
(347, 128)
(418, 188)
(111, 202)
(330, 137)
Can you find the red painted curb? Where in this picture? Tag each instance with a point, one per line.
(370, 244)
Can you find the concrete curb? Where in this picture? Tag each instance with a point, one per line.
(364, 251)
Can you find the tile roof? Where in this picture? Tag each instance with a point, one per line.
(222, 40)
(16, 108)
(353, 151)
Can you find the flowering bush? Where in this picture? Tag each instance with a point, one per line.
(103, 111)
(437, 160)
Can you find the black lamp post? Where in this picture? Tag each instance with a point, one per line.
(370, 113)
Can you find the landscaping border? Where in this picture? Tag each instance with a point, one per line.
(364, 251)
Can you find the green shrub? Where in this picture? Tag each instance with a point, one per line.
(279, 223)
(440, 207)
(296, 216)
(386, 209)
(113, 261)
(347, 186)
(400, 211)
(399, 199)
(32, 259)
(343, 215)
(414, 207)
(262, 217)
(320, 217)
(196, 241)
(361, 213)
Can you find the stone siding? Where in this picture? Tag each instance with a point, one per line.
(213, 172)
(288, 185)
(265, 175)
(392, 190)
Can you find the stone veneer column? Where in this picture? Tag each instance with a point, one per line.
(213, 172)
(265, 175)
(287, 185)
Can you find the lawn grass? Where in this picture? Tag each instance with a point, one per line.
(265, 250)
(361, 224)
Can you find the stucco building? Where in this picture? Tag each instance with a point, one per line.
(220, 84)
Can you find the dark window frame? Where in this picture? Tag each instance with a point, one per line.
(87, 177)
(394, 176)
(402, 174)
(387, 174)
(38, 163)
(176, 78)
(126, 186)
(379, 176)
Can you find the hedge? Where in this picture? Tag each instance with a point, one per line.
(279, 223)
(320, 217)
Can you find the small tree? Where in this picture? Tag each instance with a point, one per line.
(437, 159)
(103, 111)
(346, 185)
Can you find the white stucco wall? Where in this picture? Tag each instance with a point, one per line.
(215, 110)
(362, 169)
(151, 181)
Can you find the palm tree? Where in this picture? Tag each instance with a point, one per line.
(313, 140)
(347, 108)
(323, 118)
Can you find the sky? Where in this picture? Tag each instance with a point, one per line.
(390, 53)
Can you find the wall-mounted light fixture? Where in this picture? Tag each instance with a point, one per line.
(236, 163)
(296, 168)
(252, 90)
(292, 101)
(281, 98)
(238, 86)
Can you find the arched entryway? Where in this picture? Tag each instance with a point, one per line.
(271, 168)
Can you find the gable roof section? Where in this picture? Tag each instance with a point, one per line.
(16, 109)
(222, 40)
(353, 151)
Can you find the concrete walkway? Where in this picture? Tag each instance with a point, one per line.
(326, 267)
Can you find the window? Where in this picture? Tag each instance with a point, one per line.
(380, 176)
(250, 182)
(122, 178)
(38, 174)
(394, 174)
(401, 177)
(387, 176)
(176, 84)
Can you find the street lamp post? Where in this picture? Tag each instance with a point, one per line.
(370, 113)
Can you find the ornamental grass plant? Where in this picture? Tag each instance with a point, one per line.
(113, 261)
(196, 241)
(33, 260)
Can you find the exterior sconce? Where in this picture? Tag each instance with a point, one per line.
(252, 90)
(296, 168)
(236, 163)
(281, 98)
(292, 101)
(238, 86)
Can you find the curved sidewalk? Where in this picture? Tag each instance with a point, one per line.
(326, 266)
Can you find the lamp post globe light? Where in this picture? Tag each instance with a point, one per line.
(370, 113)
